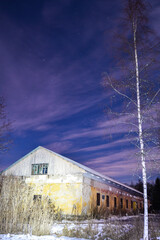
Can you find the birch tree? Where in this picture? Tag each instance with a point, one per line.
(136, 85)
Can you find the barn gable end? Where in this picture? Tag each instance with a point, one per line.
(57, 164)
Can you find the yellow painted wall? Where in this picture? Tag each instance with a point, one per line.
(65, 196)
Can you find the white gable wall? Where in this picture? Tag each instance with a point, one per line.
(56, 164)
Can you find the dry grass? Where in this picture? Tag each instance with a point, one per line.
(20, 213)
(117, 229)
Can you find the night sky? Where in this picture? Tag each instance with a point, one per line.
(53, 54)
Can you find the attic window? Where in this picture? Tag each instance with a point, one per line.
(40, 169)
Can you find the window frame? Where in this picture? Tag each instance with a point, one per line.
(140, 206)
(115, 202)
(107, 201)
(131, 204)
(103, 197)
(121, 203)
(41, 169)
(98, 199)
(37, 197)
(127, 203)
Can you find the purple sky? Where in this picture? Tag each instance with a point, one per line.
(53, 54)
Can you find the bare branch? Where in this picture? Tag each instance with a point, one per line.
(117, 91)
(153, 98)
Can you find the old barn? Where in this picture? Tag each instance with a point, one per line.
(73, 187)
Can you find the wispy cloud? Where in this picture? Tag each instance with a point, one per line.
(102, 128)
(42, 89)
(115, 164)
(60, 147)
(37, 95)
(112, 144)
(125, 162)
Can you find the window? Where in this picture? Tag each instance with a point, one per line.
(37, 197)
(136, 205)
(98, 199)
(115, 202)
(126, 203)
(103, 197)
(131, 204)
(121, 202)
(35, 169)
(39, 169)
(107, 200)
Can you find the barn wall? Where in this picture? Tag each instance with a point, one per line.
(64, 191)
(57, 165)
(92, 187)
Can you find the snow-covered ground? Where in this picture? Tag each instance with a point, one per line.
(28, 237)
(98, 228)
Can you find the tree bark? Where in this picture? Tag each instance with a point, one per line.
(142, 154)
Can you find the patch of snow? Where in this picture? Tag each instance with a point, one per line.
(28, 237)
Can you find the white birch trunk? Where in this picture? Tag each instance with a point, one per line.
(144, 177)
